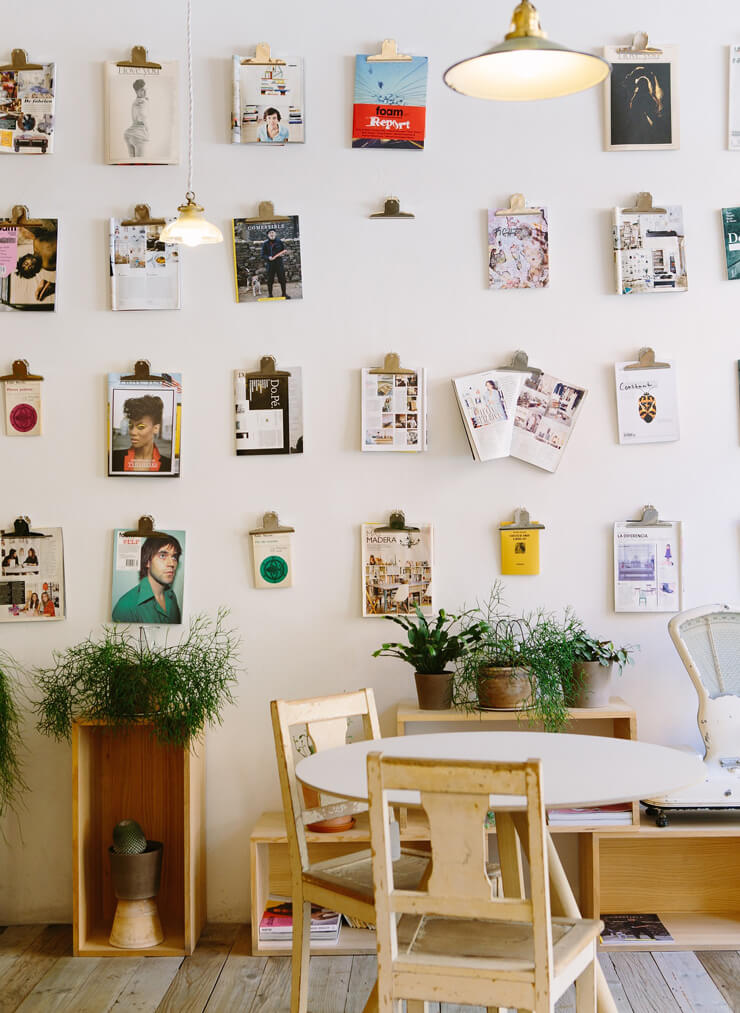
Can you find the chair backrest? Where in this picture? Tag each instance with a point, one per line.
(325, 721)
(401, 594)
(456, 796)
(708, 640)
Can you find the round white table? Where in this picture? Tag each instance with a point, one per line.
(577, 770)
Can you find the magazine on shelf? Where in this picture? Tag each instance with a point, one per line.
(396, 570)
(144, 272)
(390, 100)
(649, 251)
(394, 411)
(142, 114)
(618, 814)
(630, 928)
(27, 111)
(487, 403)
(276, 923)
(648, 563)
(28, 265)
(32, 576)
(518, 250)
(641, 98)
(647, 403)
(144, 425)
(267, 104)
(547, 410)
(268, 412)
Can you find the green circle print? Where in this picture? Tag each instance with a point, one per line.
(273, 569)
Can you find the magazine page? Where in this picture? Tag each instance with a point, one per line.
(148, 577)
(268, 102)
(487, 403)
(268, 417)
(647, 567)
(394, 410)
(647, 403)
(32, 576)
(272, 552)
(518, 250)
(144, 425)
(390, 103)
(22, 407)
(267, 260)
(396, 570)
(641, 99)
(650, 251)
(546, 414)
(28, 265)
(733, 128)
(144, 272)
(27, 111)
(731, 230)
(142, 114)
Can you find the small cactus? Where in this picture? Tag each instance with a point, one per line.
(128, 838)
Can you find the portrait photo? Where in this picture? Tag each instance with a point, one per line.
(148, 577)
(641, 96)
(142, 115)
(267, 255)
(144, 427)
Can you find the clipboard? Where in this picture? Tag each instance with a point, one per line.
(272, 553)
(520, 364)
(20, 372)
(392, 209)
(397, 522)
(19, 61)
(142, 374)
(646, 360)
(143, 216)
(639, 45)
(266, 213)
(262, 57)
(392, 364)
(650, 519)
(145, 529)
(19, 217)
(517, 207)
(139, 58)
(389, 53)
(22, 529)
(644, 206)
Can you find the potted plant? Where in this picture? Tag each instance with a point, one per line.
(592, 669)
(136, 872)
(11, 774)
(121, 679)
(431, 648)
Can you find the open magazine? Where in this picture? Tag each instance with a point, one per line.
(144, 272)
(394, 410)
(487, 402)
(32, 576)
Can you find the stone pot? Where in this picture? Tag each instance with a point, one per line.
(434, 690)
(334, 825)
(592, 683)
(137, 877)
(503, 688)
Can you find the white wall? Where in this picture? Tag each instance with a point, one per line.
(418, 288)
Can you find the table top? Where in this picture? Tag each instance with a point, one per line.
(578, 770)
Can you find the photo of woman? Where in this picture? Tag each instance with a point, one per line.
(32, 605)
(141, 114)
(47, 605)
(137, 135)
(142, 417)
(271, 129)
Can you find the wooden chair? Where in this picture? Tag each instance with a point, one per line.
(452, 941)
(343, 884)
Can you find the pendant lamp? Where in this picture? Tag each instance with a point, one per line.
(190, 227)
(526, 65)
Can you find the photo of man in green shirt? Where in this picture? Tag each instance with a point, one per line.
(153, 600)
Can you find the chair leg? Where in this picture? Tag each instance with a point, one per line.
(301, 954)
(586, 988)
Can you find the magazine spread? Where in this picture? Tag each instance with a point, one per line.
(144, 272)
(487, 403)
(394, 408)
(731, 229)
(733, 128)
(649, 251)
(148, 577)
(32, 576)
(518, 250)
(267, 259)
(142, 114)
(641, 99)
(546, 413)
(269, 412)
(390, 102)
(27, 111)
(22, 407)
(647, 566)
(268, 101)
(647, 403)
(396, 570)
(28, 265)
(144, 425)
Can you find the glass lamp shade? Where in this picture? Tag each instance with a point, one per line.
(190, 227)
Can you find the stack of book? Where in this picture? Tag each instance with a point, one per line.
(276, 924)
(631, 928)
(619, 814)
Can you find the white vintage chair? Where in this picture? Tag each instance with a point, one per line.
(451, 940)
(343, 884)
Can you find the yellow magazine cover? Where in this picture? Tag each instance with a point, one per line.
(520, 551)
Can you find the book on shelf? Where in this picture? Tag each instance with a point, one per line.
(276, 923)
(619, 813)
(630, 928)
(357, 923)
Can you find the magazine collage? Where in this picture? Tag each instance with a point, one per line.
(27, 110)
(32, 576)
(28, 265)
(518, 249)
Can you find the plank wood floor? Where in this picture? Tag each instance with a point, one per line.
(38, 974)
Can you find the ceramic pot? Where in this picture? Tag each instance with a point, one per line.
(434, 690)
(503, 688)
(331, 826)
(137, 877)
(592, 683)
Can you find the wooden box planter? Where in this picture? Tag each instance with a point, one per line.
(126, 773)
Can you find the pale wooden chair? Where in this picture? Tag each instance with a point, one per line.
(452, 940)
(343, 884)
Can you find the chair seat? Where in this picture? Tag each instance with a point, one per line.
(352, 875)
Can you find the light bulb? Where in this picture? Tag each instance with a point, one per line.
(190, 228)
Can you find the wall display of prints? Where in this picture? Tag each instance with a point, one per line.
(28, 265)
(641, 99)
(268, 416)
(27, 111)
(487, 403)
(731, 230)
(733, 126)
(144, 272)
(649, 251)
(518, 250)
(648, 567)
(142, 114)
(272, 553)
(647, 403)
(148, 577)
(32, 576)
(144, 419)
(394, 410)
(390, 102)
(267, 260)
(268, 102)
(22, 407)
(396, 570)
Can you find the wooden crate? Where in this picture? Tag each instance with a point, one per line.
(126, 773)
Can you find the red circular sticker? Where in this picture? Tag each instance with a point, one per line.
(23, 418)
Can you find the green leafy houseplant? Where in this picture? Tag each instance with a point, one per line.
(592, 668)
(12, 784)
(120, 679)
(587, 648)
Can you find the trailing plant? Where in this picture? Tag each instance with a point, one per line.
(12, 784)
(120, 679)
(431, 647)
(587, 648)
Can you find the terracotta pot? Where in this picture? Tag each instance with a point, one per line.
(137, 877)
(434, 690)
(331, 826)
(503, 688)
(592, 683)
